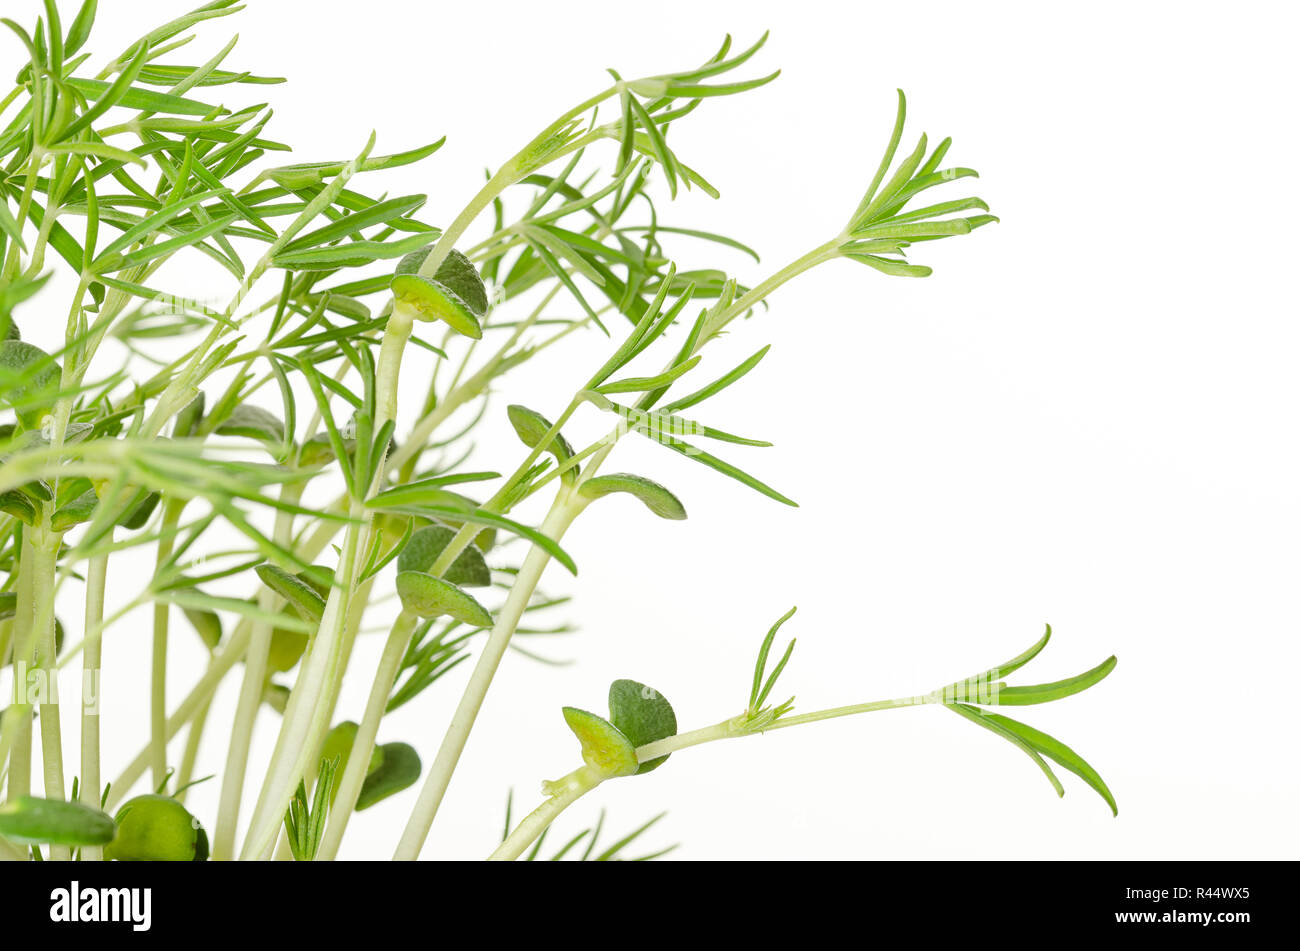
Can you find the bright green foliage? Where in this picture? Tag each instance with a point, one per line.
(604, 746)
(426, 596)
(425, 545)
(254, 452)
(642, 715)
(398, 768)
(155, 828)
(454, 294)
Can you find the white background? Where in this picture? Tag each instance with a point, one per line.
(1085, 417)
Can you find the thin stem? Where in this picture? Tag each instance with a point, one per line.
(523, 163)
(158, 679)
(560, 795)
(193, 739)
(44, 551)
(363, 745)
(563, 793)
(91, 660)
(20, 752)
(761, 291)
(250, 699)
(562, 513)
(295, 742)
(221, 664)
(302, 730)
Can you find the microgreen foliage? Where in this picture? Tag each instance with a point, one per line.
(254, 448)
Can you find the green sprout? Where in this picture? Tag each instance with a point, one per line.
(255, 450)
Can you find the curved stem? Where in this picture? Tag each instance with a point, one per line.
(562, 513)
(563, 793)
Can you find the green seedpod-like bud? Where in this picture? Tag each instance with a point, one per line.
(32, 821)
(642, 715)
(153, 828)
(455, 294)
(426, 544)
(653, 495)
(604, 747)
(531, 427)
(399, 767)
(30, 380)
(426, 596)
(302, 596)
(10, 326)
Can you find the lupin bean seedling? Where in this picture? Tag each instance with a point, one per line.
(252, 451)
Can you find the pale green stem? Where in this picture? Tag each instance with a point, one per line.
(11, 853)
(250, 700)
(19, 715)
(363, 745)
(459, 395)
(562, 513)
(761, 291)
(190, 755)
(292, 750)
(44, 583)
(519, 166)
(158, 679)
(302, 730)
(91, 659)
(221, 664)
(563, 793)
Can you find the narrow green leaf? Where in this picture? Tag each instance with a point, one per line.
(1055, 750)
(713, 462)
(1003, 695)
(988, 722)
(718, 385)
